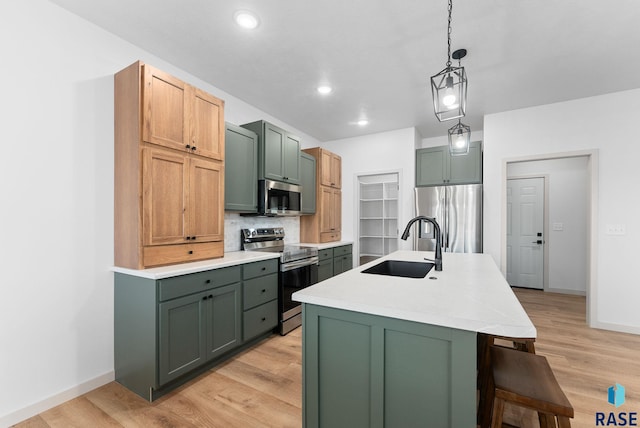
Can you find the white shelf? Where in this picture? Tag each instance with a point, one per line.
(378, 215)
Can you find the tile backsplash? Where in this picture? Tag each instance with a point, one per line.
(234, 222)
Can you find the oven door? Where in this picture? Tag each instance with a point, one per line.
(295, 276)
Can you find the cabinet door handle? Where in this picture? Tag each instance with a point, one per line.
(188, 146)
(264, 290)
(211, 296)
(188, 238)
(204, 298)
(190, 252)
(193, 238)
(193, 147)
(264, 268)
(263, 319)
(208, 281)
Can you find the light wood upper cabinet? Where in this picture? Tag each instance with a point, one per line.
(179, 116)
(165, 109)
(165, 186)
(207, 128)
(329, 167)
(169, 170)
(206, 196)
(330, 214)
(326, 224)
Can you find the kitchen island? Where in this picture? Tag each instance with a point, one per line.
(390, 351)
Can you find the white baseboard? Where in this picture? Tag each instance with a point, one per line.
(615, 327)
(55, 400)
(566, 291)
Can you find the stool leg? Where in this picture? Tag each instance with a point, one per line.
(563, 422)
(498, 410)
(546, 421)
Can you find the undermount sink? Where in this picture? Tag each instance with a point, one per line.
(401, 268)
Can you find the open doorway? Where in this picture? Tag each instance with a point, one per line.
(558, 248)
(378, 208)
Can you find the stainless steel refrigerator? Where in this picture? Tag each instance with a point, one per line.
(458, 211)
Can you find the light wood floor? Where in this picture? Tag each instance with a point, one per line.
(262, 386)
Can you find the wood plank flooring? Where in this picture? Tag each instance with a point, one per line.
(261, 387)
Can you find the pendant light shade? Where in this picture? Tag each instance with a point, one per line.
(449, 90)
(459, 139)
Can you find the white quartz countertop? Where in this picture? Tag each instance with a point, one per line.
(324, 245)
(230, 259)
(469, 294)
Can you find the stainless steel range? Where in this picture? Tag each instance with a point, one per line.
(298, 269)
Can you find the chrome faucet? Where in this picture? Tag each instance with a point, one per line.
(436, 226)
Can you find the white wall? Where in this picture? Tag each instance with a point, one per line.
(371, 154)
(607, 125)
(56, 182)
(568, 185)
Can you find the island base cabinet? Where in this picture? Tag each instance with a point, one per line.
(367, 370)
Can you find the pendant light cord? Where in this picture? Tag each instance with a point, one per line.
(449, 34)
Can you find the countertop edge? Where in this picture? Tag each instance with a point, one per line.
(233, 258)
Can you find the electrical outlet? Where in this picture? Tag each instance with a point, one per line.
(616, 229)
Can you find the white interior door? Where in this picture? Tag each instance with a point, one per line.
(525, 225)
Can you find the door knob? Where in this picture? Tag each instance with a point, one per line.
(539, 242)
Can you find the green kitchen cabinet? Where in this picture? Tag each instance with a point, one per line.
(362, 370)
(197, 328)
(260, 301)
(278, 152)
(168, 330)
(325, 264)
(308, 182)
(333, 261)
(241, 169)
(342, 259)
(436, 167)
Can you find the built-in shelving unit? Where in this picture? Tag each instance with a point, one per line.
(378, 216)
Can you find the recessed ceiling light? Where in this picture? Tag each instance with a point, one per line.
(325, 89)
(246, 19)
(362, 122)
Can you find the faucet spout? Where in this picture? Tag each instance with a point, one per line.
(436, 226)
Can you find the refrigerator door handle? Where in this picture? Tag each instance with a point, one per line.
(444, 239)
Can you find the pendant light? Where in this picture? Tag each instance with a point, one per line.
(449, 87)
(459, 139)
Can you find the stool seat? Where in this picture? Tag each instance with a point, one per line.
(526, 379)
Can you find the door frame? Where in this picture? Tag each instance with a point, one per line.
(356, 202)
(545, 225)
(592, 220)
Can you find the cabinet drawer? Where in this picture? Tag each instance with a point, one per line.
(260, 319)
(342, 250)
(266, 267)
(159, 255)
(330, 236)
(260, 290)
(325, 254)
(177, 286)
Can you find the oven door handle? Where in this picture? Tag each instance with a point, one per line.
(285, 267)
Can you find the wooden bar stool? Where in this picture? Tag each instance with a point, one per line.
(525, 379)
(485, 381)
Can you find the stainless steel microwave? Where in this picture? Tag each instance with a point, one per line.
(278, 199)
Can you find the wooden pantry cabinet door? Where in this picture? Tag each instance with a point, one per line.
(206, 196)
(165, 103)
(207, 125)
(164, 199)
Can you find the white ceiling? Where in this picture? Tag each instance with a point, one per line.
(379, 54)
